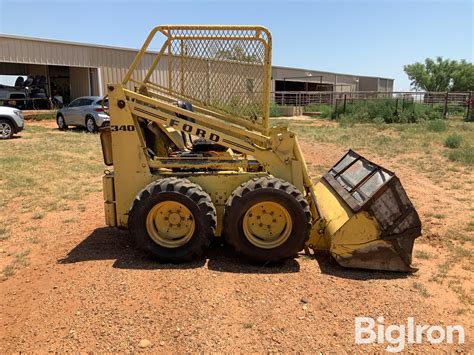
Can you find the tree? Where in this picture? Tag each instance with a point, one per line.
(441, 75)
(463, 77)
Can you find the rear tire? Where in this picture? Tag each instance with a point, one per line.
(62, 126)
(6, 129)
(173, 219)
(267, 219)
(91, 127)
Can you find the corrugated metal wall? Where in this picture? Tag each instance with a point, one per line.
(80, 81)
(114, 63)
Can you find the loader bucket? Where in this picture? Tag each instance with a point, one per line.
(370, 221)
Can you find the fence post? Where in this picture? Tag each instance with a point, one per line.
(469, 106)
(396, 107)
(344, 110)
(445, 111)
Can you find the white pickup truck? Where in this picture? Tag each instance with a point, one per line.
(11, 121)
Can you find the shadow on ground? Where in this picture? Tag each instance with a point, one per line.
(329, 266)
(113, 244)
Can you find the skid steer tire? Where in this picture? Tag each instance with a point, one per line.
(156, 208)
(287, 206)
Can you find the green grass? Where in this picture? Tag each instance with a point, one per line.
(49, 168)
(453, 141)
(437, 126)
(464, 155)
(416, 145)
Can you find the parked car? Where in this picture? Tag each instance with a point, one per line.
(11, 122)
(86, 111)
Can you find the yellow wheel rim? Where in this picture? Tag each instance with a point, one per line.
(267, 225)
(170, 224)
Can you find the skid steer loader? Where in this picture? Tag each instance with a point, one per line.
(194, 158)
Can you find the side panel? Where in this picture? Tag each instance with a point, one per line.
(109, 200)
(131, 169)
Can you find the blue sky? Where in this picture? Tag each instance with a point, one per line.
(358, 37)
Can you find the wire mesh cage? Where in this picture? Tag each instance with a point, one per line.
(223, 68)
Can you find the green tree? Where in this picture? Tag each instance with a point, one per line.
(441, 75)
(463, 76)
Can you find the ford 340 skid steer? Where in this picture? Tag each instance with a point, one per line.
(194, 158)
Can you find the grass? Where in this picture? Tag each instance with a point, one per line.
(41, 116)
(421, 254)
(48, 169)
(20, 260)
(70, 220)
(4, 233)
(437, 126)
(421, 289)
(453, 141)
(463, 155)
(417, 145)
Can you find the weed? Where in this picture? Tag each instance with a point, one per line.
(8, 271)
(463, 296)
(70, 220)
(460, 311)
(247, 325)
(463, 155)
(33, 239)
(443, 270)
(470, 227)
(437, 126)
(453, 141)
(421, 254)
(4, 233)
(421, 289)
(20, 258)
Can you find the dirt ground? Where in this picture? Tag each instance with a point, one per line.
(86, 288)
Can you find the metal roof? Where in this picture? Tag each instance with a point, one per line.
(92, 45)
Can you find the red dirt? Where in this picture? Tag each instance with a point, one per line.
(88, 289)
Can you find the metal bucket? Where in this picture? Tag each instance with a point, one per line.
(370, 221)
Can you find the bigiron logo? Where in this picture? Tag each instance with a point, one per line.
(367, 331)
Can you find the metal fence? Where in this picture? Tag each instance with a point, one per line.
(447, 103)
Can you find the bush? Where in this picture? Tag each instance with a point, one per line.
(437, 126)
(275, 110)
(464, 155)
(453, 141)
(324, 109)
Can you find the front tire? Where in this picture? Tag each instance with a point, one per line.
(91, 127)
(62, 126)
(6, 129)
(267, 219)
(173, 219)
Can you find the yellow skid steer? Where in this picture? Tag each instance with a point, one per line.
(194, 158)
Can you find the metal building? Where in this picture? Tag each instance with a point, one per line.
(77, 69)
